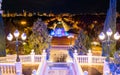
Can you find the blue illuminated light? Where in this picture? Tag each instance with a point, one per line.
(52, 33)
(59, 32)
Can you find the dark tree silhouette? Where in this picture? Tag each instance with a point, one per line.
(82, 43)
(39, 40)
(2, 38)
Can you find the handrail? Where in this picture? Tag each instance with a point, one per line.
(77, 67)
(42, 65)
(41, 68)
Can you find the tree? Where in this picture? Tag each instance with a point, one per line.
(39, 40)
(82, 43)
(2, 38)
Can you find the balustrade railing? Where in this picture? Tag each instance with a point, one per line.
(76, 65)
(98, 59)
(42, 65)
(7, 69)
(23, 58)
(8, 59)
(84, 59)
(37, 58)
(29, 58)
(10, 68)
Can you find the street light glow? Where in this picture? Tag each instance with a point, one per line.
(108, 40)
(117, 36)
(109, 32)
(101, 36)
(16, 33)
(10, 37)
(23, 22)
(23, 36)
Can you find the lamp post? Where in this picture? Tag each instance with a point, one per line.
(16, 35)
(106, 37)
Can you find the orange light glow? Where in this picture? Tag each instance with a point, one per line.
(23, 22)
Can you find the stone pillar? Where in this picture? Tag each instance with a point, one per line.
(0, 7)
(75, 53)
(85, 72)
(75, 56)
(18, 66)
(43, 62)
(106, 69)
(34, 72)
(44, 55)
(89, 56)
(32, 55)
(0, 3)
(0, 72)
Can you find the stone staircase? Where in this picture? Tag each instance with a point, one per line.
(59, 53)
(59, 69)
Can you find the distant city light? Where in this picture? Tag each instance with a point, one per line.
(23, 22)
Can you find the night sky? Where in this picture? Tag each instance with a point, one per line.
(58, 6)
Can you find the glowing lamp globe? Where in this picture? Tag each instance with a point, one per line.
(116, 36)
(23, 36)
(101, 36)
(109, 32)
(10, 37)
(16, 33)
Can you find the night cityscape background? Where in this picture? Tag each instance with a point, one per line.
(86, 15)
(60, 31)
(58, 6)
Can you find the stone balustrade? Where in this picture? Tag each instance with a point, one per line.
(90, 59)
(11, 67)
(7, 69)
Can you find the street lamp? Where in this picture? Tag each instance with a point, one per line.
(16, 35)
(105, 37)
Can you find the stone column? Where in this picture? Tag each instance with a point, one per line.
(44, 55)
(89, 57)
(106, 69)
(32, 55)
(18, 68)
(0, 7)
